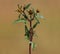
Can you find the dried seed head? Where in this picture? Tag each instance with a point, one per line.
(37, 11)
(19, 11)
(30, 12)
(23, 8)
(18, 5)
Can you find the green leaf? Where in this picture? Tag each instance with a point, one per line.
(35, 16)
(35, 25)
(26, 29)
(37, 19)
(19, 20)
(34, 12)
(27, 33)
(33, 45)
(39, 16)
(26, 37)
(27, 6)
(25, 16)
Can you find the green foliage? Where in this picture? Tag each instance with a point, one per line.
(39, 16)
(33, 45)
(26, 29)
(35, 16)
(20, 20)
(35, 25)
(37, 19)
(27, 33)
(28, 15)
(27, 6)
(25, 16)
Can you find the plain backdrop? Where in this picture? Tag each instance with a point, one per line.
(12, 40)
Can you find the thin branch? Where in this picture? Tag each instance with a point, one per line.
(33, 17)
(26, 16)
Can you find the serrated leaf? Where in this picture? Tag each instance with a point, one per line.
(27, 6)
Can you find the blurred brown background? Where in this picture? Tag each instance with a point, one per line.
(12, 40)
